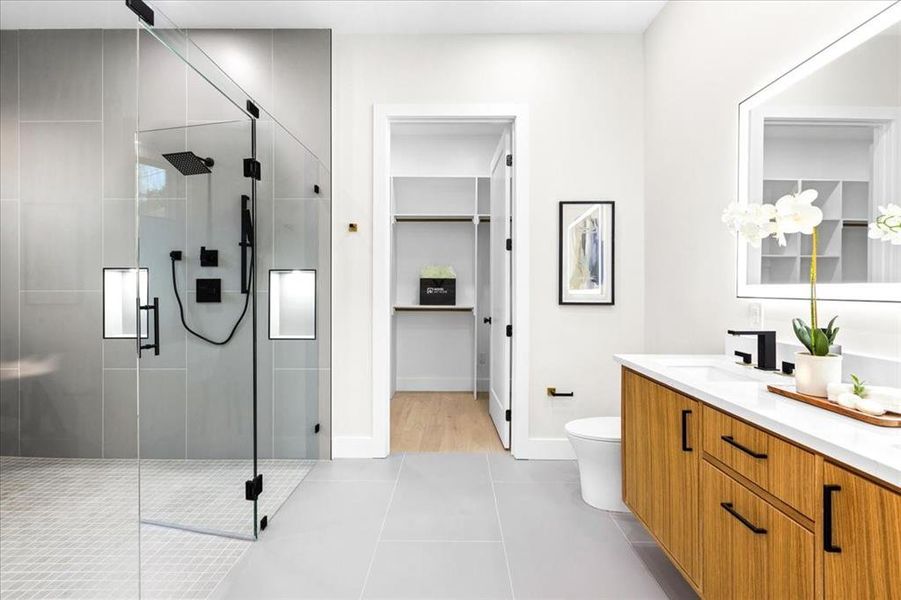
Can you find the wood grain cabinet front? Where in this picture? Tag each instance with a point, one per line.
(861, 531)
(750, 549)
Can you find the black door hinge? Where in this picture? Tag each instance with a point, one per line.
(316, 428)
(315, 189)
(252, 168)
(144, 12)
(507, 415)
(253, 487)
(264, 522)
(509, 330)
(509, 160)
(509, 244)
(253, 110)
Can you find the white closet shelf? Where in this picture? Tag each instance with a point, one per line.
(433, 308)
(433, 218)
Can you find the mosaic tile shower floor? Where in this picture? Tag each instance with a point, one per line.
(68, 527)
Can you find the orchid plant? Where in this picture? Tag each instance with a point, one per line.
(887, 226)
(792, 213)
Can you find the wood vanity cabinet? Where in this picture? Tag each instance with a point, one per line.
(861, 537)
(661, 450)
(744, 513)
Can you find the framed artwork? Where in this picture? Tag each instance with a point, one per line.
(586, 252)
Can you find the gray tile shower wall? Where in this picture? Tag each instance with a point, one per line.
(69, 106)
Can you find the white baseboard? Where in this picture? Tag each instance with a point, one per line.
(355, 446)
(544, 449)
(433, 384)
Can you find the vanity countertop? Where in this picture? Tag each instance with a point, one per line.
(741, 391)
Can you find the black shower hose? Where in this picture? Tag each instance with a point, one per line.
(181, 308)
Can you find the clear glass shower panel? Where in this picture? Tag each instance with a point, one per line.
(196, 391)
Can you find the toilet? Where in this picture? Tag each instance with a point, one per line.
(597, 443)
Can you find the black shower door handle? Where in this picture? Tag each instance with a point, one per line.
(155, 346)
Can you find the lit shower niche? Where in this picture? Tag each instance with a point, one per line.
(292, 304)
(120, 304)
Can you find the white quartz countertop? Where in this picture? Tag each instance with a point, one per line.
(741, 391)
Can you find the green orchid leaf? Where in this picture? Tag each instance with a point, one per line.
(819, 343)
(829, 326)
(802, 332)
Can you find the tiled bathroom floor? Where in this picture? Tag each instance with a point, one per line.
(458, 526)
(69, 527)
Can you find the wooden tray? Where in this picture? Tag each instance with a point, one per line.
(886, 420)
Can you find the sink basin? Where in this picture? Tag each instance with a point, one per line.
(710, 373)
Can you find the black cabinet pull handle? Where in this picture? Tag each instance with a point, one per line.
(731, 441)
(155, 346)
(828, 546)
(741, 519)
(685, 446)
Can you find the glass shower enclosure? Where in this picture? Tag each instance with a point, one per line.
(232, 229)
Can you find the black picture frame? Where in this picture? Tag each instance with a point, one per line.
(561, 296)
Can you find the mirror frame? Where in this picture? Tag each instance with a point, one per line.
(865, 292)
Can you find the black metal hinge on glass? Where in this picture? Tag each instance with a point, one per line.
(144, 12)
(509, 330)
(509, 160)
(685, 446)
(253, 487)
(828, 546)
(509, 244)
(729, 509)
(731, 441)
(253, 110)
(507, 415)
(252, 168)
(155, 346)
(316, 189)
(316, 428)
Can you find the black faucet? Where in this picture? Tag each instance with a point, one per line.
(766, 348)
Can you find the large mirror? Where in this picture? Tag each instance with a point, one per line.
(833, 125)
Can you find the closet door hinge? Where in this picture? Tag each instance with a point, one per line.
(252, 168)
(509, 244)
(509, 160)
(507, 415)
(509, 330)
(253, 487)
(316, 428)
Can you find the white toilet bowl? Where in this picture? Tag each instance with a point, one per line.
(597, 443)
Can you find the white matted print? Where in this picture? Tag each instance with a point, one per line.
(586, 252)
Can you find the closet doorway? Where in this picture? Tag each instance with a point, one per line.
(449, 190)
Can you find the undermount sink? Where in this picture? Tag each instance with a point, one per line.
(710, 373)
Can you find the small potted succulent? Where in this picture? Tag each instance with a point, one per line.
(816, 368)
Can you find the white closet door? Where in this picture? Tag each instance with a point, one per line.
(499, 386)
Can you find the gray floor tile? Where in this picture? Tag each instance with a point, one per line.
(438, 570)
(443, 497)
(631, 528)
(353, 469)
(664, 572)
(319, 545)
(506, 468)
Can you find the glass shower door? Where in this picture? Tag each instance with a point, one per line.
(197, 366)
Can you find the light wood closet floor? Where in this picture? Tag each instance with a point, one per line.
(442, 422)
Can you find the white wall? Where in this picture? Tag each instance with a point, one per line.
(585, 99)
(701, 60)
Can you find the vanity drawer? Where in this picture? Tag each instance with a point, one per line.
(750, 549)
(782, 469)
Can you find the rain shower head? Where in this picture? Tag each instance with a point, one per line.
(189, 163)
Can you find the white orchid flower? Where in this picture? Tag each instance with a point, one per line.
(887, 226)
(795, 213)
(752, 222)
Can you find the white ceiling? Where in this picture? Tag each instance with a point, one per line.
(350, 16)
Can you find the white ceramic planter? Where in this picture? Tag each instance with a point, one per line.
(814, 373)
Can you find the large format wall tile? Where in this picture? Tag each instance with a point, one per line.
(60, 74)
(9, 281)
(61, 406)
(246, 55)
(9, 412)
(61, 162)
(61, 246)
(9, 114)
(302, 86)
(119, 112)
(161, 94)
(120, 424)
(297, 412)
(119, 232)
(162, 404)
